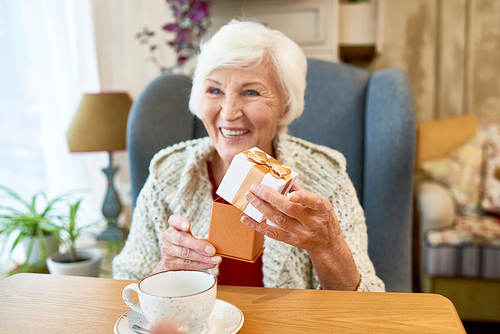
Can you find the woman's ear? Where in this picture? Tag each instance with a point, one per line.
(284, 111)
(283, 114)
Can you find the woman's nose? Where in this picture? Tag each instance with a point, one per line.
(232, 108)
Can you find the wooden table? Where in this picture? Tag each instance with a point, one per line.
(37, 303)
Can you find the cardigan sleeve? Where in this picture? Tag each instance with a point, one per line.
(352, 222)
(141, 252)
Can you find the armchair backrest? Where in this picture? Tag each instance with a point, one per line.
(370, 118)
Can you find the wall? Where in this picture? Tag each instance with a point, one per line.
(410, 43)
(483, 53)
(451, 52)
(123, 61)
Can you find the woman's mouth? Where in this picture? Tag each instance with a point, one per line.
(231, 134)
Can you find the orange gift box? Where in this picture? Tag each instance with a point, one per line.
(230, 237)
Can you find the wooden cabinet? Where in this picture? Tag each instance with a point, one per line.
(312, 24)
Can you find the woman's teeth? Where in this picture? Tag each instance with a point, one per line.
(233, 133)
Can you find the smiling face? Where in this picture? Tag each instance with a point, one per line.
(240, 109)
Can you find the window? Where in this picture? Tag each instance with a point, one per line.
(47, 61)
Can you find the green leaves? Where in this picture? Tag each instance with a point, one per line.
(68, 226)
(20, 220)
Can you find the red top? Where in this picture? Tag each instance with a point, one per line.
(234, 272)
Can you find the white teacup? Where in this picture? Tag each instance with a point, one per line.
(184, 297)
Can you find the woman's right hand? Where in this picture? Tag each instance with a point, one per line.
(181, 250)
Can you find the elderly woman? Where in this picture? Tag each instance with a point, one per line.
(248, 86)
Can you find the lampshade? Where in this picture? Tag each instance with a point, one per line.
(100, 123)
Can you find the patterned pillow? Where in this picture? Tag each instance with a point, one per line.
(460, 170)
(467, 229)
(491, 192)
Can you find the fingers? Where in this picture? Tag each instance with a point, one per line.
(186, 239)
(180, 223)
(274, 198)
(293, 205)
(267, 230)
(183, 253)
(279, 212)
(300, 195)
(303, 219)
(181, 250)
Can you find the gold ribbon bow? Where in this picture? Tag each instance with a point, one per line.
(274, 166)
(262, 166)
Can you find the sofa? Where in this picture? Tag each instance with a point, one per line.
(457, 213)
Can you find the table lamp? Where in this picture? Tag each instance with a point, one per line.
(100, 124)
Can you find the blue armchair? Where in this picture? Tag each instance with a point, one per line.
(369, 117)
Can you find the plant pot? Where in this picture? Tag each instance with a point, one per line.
(51, 246)
(90, 265)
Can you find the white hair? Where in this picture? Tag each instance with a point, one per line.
(242, 44)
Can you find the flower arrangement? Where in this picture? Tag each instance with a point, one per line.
(191, 22)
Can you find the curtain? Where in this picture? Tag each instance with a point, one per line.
(47, 61)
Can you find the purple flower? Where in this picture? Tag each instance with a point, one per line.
(174, 46)
(183, 35)
(200, 12)
(191, 20)
(171, 27)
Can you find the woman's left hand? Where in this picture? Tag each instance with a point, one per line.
(306, 220)
(303, 219)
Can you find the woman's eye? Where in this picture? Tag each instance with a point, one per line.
(251, 93)
(215, 91)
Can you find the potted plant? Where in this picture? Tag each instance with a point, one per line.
(23, 223)
(84, 262)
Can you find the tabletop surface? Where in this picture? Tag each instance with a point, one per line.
(37, 303)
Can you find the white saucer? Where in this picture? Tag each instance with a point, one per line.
(224, 319)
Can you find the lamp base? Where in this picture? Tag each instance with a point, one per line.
(111, 207)
(112, 232)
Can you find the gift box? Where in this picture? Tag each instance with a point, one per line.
(249, 167)
(230, 237)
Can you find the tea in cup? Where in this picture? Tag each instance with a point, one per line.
(184, 297)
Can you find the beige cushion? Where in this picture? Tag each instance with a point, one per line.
(460, 170)
(438, 137)
(435, 205)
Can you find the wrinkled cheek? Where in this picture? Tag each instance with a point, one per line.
(209, 110)
(208, 120)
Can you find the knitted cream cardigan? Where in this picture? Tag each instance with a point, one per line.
(179, 184)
